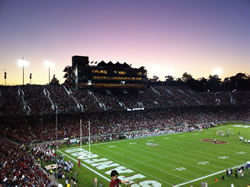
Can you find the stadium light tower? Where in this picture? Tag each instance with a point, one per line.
(5, 76)
(49, 64)
(30, 77)
(23, 63)
(217, 71)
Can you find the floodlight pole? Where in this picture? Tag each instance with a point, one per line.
(56, 141)
(5, 76)
(23, 74)
(30, 77)
(49, 65)
(80, 134)
(49, 74)
(89, 139)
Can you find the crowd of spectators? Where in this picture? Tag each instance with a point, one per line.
(35, 97)
(17, 167)
(61, 99)
(44, 99)
(43, 128)
(46, 154)
(10, 101)
(86, 100)
(108, 99)
(241, 98)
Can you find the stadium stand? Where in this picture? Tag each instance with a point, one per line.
(28, 116)
(18, 168)
(32, 129)
(36, 98)
(44, 99)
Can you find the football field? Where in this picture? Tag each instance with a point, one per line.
(178, 159)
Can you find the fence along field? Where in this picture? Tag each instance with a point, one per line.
(177, 159)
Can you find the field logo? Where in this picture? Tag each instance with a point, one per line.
(243, 126)
(223, 157)
(107, 165)
(213, 141)
(132, 143)
(179, 169)
(152, 144)
(203, 163)
(240, 153)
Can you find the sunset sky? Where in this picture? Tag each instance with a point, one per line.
(165, 36)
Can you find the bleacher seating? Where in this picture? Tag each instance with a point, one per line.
(35, 99)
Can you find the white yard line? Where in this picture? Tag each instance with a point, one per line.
(204, 177)
(107, 179)
(125, 164)
(143, 172)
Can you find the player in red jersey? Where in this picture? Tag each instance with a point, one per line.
(114, 179)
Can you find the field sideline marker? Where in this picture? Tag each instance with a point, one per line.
(107, 179)
(206, 176)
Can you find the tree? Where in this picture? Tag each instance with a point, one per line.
(54, 81)
(226, 83)
(186, 77)
(169, 80)
(214, 83)
(155, 78)
(202, 84)
(69, 75)
(240, 76)
(189, 80)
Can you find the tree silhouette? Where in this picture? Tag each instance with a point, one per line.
(54, 80)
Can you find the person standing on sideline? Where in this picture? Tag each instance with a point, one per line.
(229, 173)
(236, 173)
(95, 182)
(115, 182)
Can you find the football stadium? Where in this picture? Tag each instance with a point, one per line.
(135, 93)
(110, 116)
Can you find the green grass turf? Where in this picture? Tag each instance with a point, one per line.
(175, 159)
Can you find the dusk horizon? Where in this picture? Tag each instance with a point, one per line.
(166, 37)
(131, 93)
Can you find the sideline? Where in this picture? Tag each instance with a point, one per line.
(118, 141)
(95, 144)
(107, 179)
(188, 182)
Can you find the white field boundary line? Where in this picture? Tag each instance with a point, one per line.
(188, 182)
(107, 179)
(117, 141)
